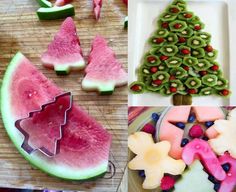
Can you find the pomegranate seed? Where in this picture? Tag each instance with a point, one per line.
(182, 40)
(149, 128)
(172, 77)
(196, 131)
(225, 92)
(197, 27)
(167, 183)
(151, 59)
(177, 26)
(173, 89)
(158, 40)
(163, 58)
(157, 82)
(186, 68)
(185, 51)
(192, 91)
(136, 88)
(153, 69)
(215, 68)
(188, 15)
(203, 73)
(174, 10)
(165, 25)
(209, 48)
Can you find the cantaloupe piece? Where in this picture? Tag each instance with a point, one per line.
(194, 179)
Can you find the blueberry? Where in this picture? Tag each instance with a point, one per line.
(184, 142)
(205, 138)
(226, 167)
(141, 173)
(191, 118)
(180, 125)
(217, 186)
(209, 123)
(155, 117)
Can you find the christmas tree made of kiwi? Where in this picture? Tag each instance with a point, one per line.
(181, 61)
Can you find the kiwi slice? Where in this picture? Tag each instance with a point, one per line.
(163, 67)
(205, 36)
(190, 61)
(163, 76)
(207, 91)
(172, 38)
(162, 33)
(144, 70)
(188, 32)
(197, 26)
(178, 26)
(194, 20)
(184, 51)
(186, 15)
(180, 3)
(152, 60)
(177, 84)
(137, 87)
(202, 65)
(210, 80)
(173, 10)
(193, 83)
(165, 91)
(221, 84)
(211, 55)
(198, 53)
(193, 73)
(156, 41)
(155, 51)
(196, 42)
(169, 50)
(173, 62)
(178, 72)
(167, 17)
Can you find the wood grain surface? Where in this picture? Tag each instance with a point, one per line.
(21, 30)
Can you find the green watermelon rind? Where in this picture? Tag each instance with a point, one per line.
(60, 171)
(67, 67)
(44, 3)
(55, 12)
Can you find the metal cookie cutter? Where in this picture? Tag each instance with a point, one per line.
(30, 149)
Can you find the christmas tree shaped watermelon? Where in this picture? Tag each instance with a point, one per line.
(181, 61)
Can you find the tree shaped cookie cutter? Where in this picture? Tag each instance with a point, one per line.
(30, 149)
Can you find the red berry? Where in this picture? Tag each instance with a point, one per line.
(188, 15)
(149, 128)
(151, 59)
(167, 183)
(165, 25)
(209, 48)
(186, 68)
(203, 73)
(173, 89)
(172, 77)
(196, 131)
(215, 68)
(225, 92)
(182, 40)
(197, 27)
(192, 91)
(136, 88)
(177, 26)
(185, 51)
(153, 69)
(163, 58)
(158, 40)
(157, 82)
(174, 10)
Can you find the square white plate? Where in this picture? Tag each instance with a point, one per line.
(219, 16)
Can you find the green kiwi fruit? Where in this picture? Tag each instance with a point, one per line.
(178, 26)
(188, 32)
(178, 72)
(162, 33)
(211, 55)
(202, 65)
(210, 80)
(193, 73)
(155, 41)
(207, 91)
(163, 76)
(205, 36)
(194, 20)
(195, 26)
(186, 15)
(173, 62)
(165, 92)
(172, 38)
(190, 61)
(198, 53)
(177, 84)
(181, 48)
(196, 42)
(152, 60)
(221, 84)
(137, 87)
(180, 3)
(173, 10)
(169, 50)
(167, 17)
(163, 67)
(155, 51)
(193, 83)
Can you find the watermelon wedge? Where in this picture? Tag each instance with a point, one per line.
(104, 72)
(44, 3)
(64, 52)
(97, 5)
(62, 2)
(84, 147)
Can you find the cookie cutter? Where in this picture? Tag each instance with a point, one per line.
(30, 149)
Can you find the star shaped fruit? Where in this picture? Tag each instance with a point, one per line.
(225, 140)
(153, 158)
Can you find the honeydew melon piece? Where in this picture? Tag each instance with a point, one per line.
(210, 80)
(169, 50)
(44, 3)
(193, 83)
(202, 65)
(178, 26)
(178, 72)
(196, 42)
(190, 61)
(55, 12)
(173, 62)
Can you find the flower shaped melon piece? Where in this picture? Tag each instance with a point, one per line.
(225, 141)
(153, 158)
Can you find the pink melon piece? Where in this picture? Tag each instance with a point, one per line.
(199, 148)
(64, 52)
(97, 5)
(103, 72)
(62, 2)
(204, 114)
(211, 132)
(84, 147)
(229, 183)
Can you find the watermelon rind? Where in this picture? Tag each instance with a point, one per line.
(37, 159)
(65, 68)
(55, 12)
(44, 3)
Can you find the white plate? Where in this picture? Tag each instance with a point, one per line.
(219, 17)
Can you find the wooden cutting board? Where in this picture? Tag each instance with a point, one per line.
(21, 30)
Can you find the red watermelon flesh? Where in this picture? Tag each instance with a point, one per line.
(125, 2)
(103, 71)
(84, 148)
(64, 52)
(97, 5)
(62, 2)
(46, 123)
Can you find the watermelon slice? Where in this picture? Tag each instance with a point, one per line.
(84, 147)
(62, 2)
(44, 3)
(97, 5)
(104, 72)
(64, 53)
